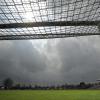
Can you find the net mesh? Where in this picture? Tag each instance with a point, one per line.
(28, 11)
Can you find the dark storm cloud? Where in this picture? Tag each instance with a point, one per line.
(51, 61)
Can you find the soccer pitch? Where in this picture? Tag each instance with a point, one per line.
(50, 95)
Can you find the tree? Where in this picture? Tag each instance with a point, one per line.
(8, 83)
(82, 85)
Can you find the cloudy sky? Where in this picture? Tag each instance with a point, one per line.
(54, 61)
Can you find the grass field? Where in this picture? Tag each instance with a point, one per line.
(50, 95)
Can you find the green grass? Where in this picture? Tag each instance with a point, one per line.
(50, 95)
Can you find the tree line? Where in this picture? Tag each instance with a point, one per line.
(8, 83)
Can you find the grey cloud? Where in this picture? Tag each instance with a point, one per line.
(51, 61)
(19, 59)
(80, 59)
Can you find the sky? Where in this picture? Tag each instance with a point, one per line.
(51, 61)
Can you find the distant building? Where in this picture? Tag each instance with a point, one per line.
(2, 88)
(1, 85)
